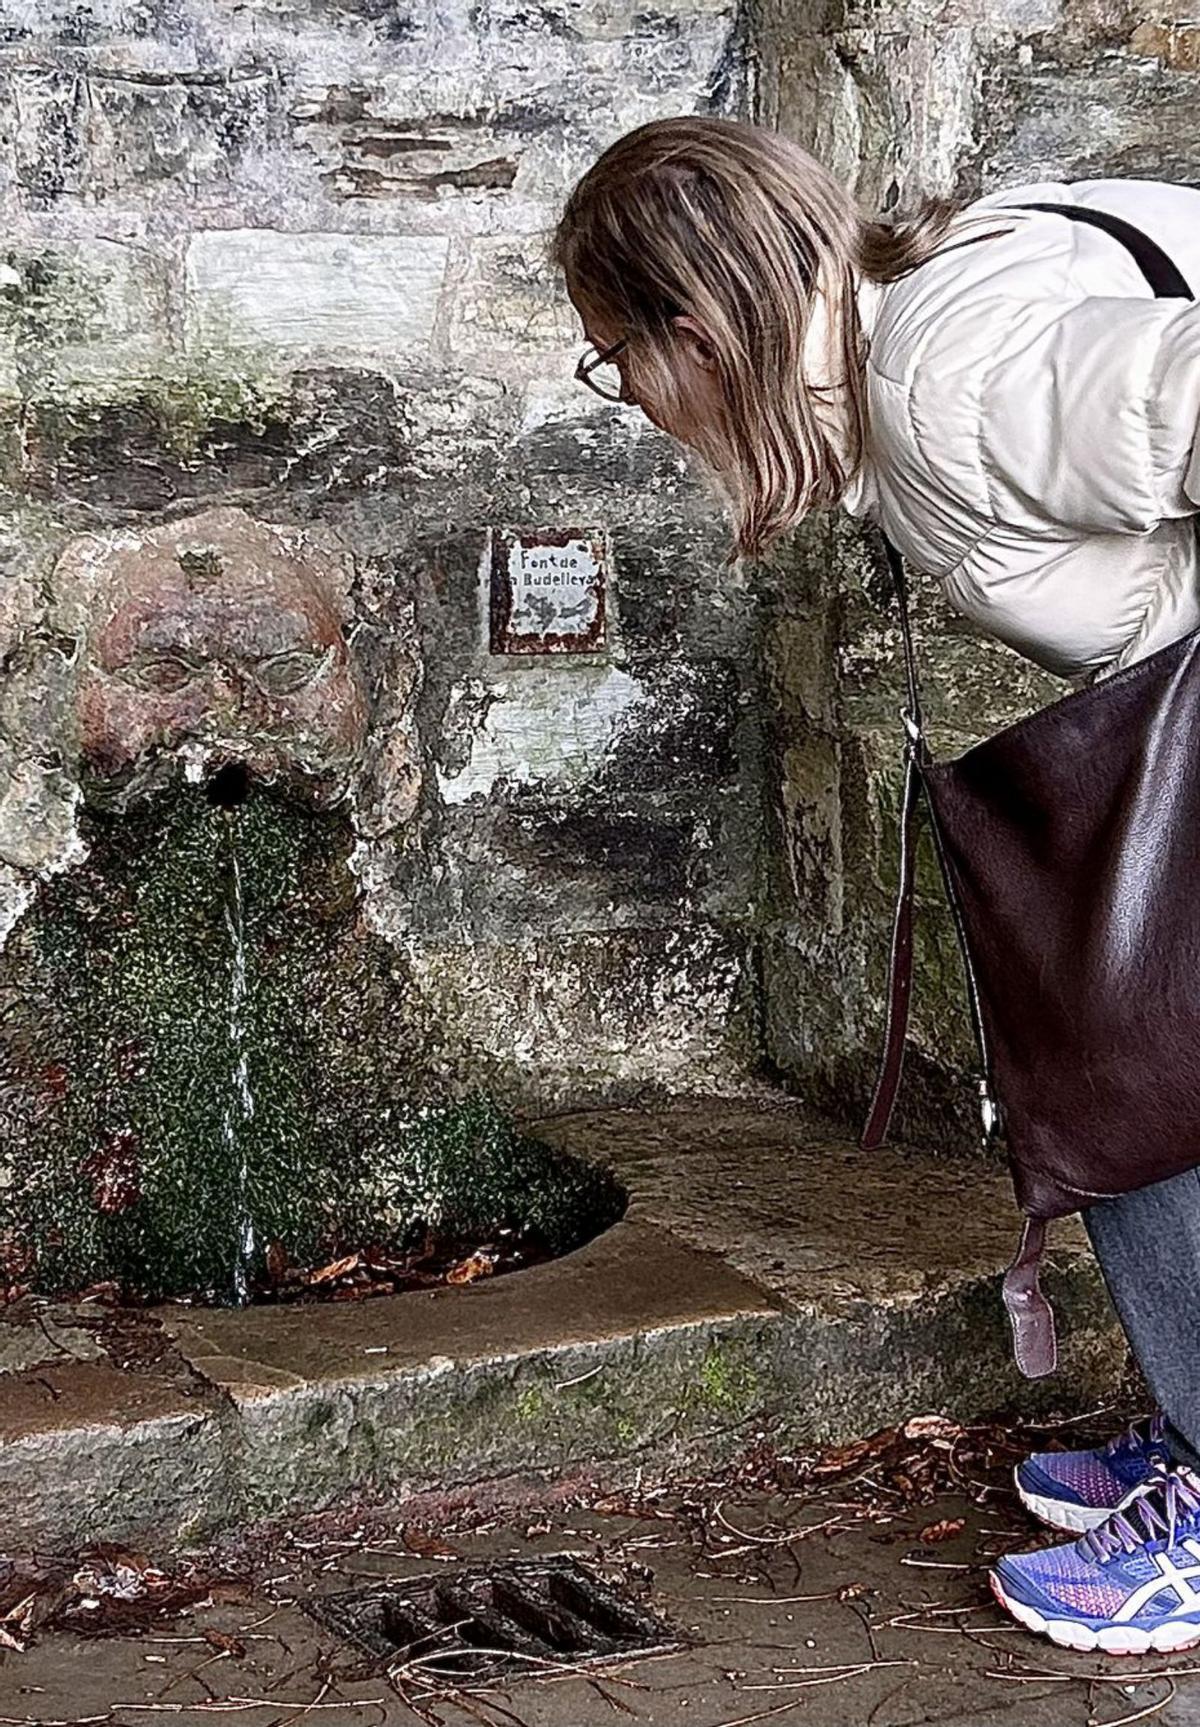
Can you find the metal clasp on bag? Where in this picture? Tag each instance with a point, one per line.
(989, 1110)
(911, 727)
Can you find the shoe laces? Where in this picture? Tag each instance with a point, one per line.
(1168, 1499)
(1139, 1435)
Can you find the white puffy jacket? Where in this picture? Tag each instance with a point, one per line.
(1034, 415)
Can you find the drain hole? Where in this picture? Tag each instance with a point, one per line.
(229, 786)
(598, 1604)
(492, 1622)
(523, 1605)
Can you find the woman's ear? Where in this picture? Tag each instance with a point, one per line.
(697, 339)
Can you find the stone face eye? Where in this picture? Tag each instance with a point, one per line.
(162, 674)
(284, 674)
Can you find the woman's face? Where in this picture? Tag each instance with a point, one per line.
(698, 398)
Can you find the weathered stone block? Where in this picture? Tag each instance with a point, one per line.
(683, 734)
(1075, 116)
(631, 860)
(95, 130)
(801, 663)
(313, 291)
(81, 312)
(540, 867)
(605, 1014)
(673, 592)
(37, 815)
(545, 725)
(812, 830)
(510, 299)
(994, 16)
(887, 109)
(188, 433)
(366, 153)
(147, 1448)
(68, 24)
(616, 451)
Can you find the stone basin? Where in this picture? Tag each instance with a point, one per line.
(768, 1279)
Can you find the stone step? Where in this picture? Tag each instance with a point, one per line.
(767, 1278)
(886, 1265)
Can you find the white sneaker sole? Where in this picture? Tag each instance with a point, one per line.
(1169, 1638)
(1060, 1514)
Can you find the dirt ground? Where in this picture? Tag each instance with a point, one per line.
(843, 1588)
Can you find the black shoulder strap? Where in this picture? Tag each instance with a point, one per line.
(1165, 279)
(1168, 283)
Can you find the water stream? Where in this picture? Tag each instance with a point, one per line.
(239, 1105)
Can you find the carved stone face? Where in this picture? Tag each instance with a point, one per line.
(219, 637)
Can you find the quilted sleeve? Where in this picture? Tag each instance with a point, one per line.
(1088, 418)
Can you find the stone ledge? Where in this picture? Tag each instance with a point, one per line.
(887, 1264)
(603, 1353)
(87, 1450)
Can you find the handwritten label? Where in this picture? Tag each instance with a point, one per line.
(552, 595)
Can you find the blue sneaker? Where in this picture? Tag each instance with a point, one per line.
(1130, 1587)
(1078, 1490)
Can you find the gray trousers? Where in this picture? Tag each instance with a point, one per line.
(1148, 1246)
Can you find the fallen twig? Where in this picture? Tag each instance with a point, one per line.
(1138, 1714)
(831, 1675)
(233, 1706)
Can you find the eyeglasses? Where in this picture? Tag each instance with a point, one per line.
(596, 370)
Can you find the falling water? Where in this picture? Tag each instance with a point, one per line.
(239, 1104)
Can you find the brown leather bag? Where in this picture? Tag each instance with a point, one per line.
(1069, 847)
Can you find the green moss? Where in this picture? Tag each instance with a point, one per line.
(463, 1166)
(531, 1404)
(203, 1528)
(191, 400)
(53, 301)
(184, 401)
(192, 1084)
(727, 1381)
(625, 1429)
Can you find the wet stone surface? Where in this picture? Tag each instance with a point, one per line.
(819, 1587)
(212, 1070)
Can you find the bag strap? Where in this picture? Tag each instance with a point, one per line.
(1164, 276)
(1030, 1314)
(900, 961)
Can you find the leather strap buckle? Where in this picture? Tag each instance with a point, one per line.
(1031, 1316)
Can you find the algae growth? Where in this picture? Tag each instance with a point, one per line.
(205, 1062)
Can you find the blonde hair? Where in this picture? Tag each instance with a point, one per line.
(740, 228)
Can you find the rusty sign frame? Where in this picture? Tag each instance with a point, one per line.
(502, 638)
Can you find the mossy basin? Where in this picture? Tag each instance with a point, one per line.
(211, 1069)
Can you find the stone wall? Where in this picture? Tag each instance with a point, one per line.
(948, 97)
(288, 258)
